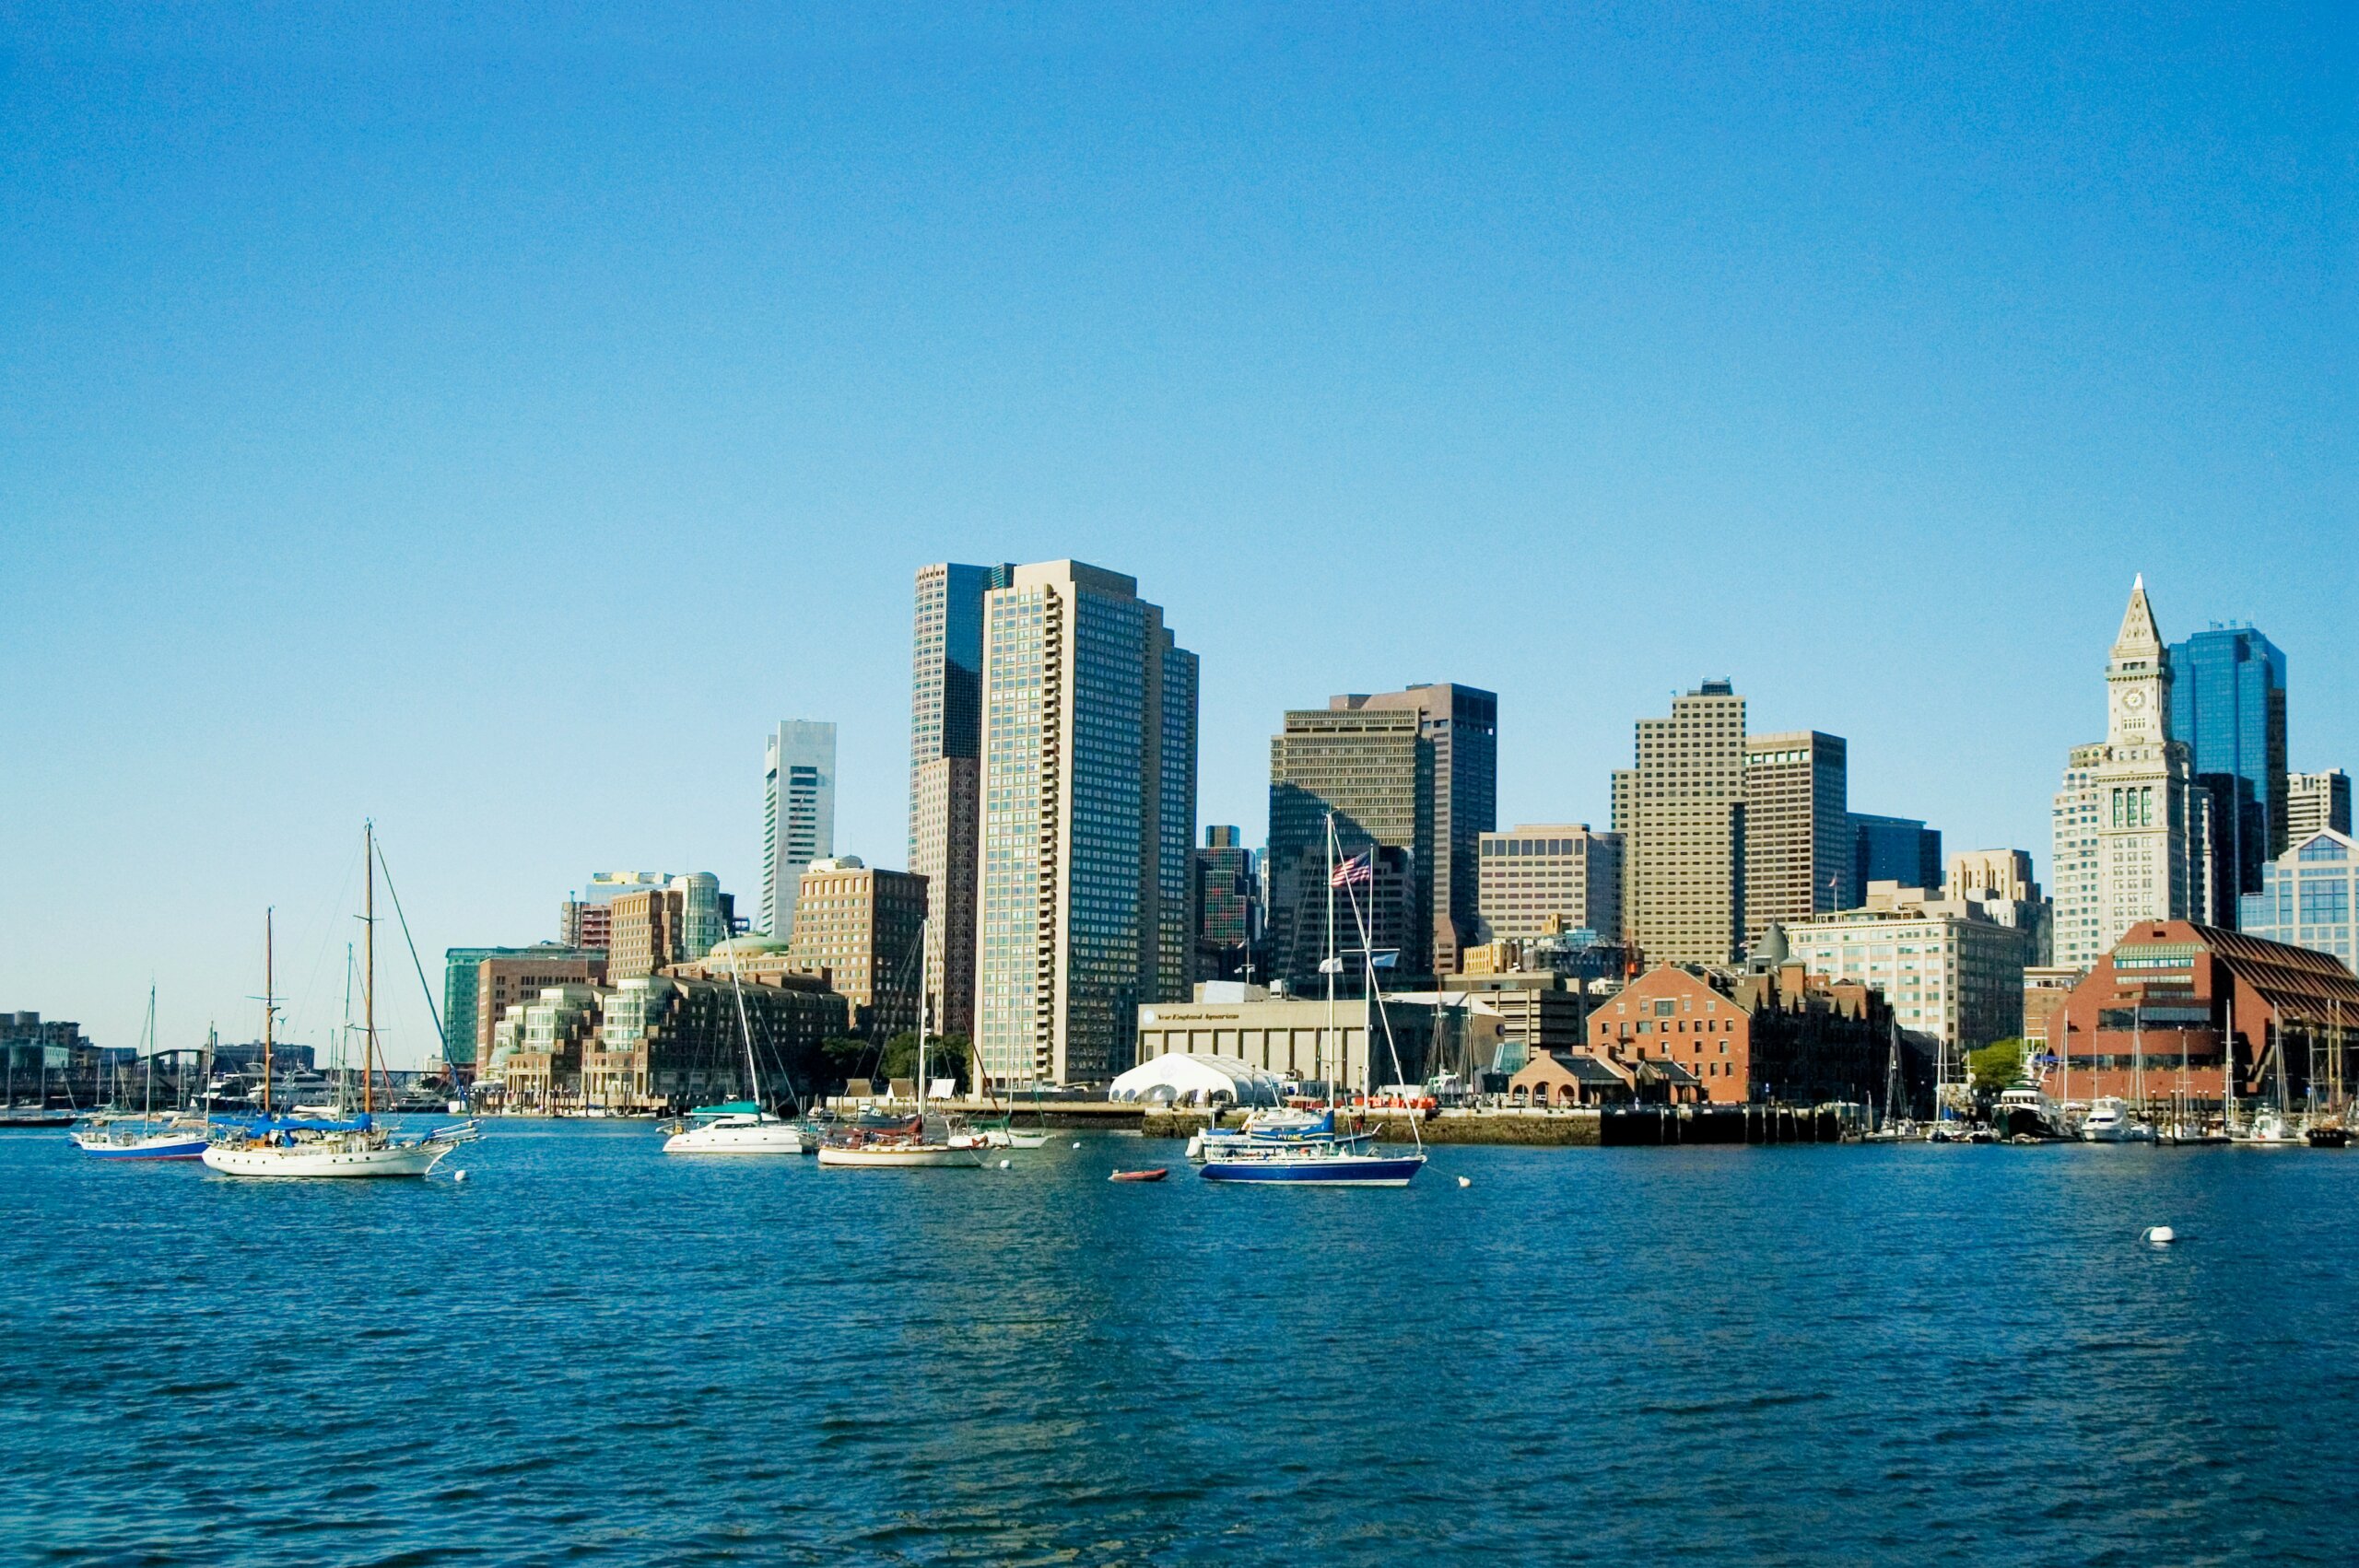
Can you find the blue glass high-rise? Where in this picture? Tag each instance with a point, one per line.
(2228, 705)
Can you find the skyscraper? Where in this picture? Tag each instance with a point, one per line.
(1893, 848)
(2228, 707)
(1415, 770)
(798, 815)
(945, 773)
(1797, 836)
(1681, 812)
(2132, 826)
(1088, 792)
(1223, 889)
(2314, 800)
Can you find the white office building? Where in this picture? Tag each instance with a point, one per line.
(798, 815)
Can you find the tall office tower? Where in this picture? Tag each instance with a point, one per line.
(1223, 888)
(2314, 801)
(1682, 815)
(1415, 770)
(945, 775)
(2228, 707)
(2132, 828)
(1998, 884)
(1543, 878)
(1893, 848)
(1797, 829)
(798, 815)
(1089, 797)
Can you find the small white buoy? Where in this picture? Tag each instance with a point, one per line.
(2161, 1235)
(458, 1175)
(1076, 1143)
(1465, 1181)
(1005, 1163)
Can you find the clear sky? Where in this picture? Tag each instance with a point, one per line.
(493, 425)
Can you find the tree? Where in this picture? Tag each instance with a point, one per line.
(946, 1056)
(1997, 1064)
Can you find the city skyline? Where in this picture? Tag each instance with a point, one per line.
(1867, 381)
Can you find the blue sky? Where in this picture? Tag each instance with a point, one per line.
(493, 424)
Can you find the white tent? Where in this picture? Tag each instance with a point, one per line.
(1185, 1079)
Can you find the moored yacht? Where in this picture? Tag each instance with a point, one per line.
(2111, 1122)
(2025, 1111)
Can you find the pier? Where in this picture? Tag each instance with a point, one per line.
(1644, 1127)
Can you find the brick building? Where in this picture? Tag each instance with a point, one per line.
(2152, 1020)
(1782, 1035)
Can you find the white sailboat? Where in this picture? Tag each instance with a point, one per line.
(741, 1126)
(284, 1147)
(921, 1141)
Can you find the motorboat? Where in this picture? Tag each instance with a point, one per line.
(2268, 1130)
(34, 1116)
(2109, 1121)
(1152, 1173)
(741, 1126)
(2025, 1111)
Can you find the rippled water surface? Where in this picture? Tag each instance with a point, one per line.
(589, 1352)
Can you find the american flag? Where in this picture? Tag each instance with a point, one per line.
(1359, 869)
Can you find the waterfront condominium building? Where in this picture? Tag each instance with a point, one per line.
(946, 774)
(1892, 848)
(586, 917)
(1681, 814)
(1088, 793)
(480, 985)
(1546, 878)
(2309, 897)
(862, 926)
(656, 925)
(2132, 828)
(2316, 800)
(798, 815)
(1415, 770)
(2228, 707)
(1798, 834)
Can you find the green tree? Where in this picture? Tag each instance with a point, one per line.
(1997, 1064)
(946, 1056)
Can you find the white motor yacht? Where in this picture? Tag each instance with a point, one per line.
(738, 1127)
(2109, 1121)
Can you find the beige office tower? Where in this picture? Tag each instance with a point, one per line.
(1681, 814)
(860, 925)
(1543, 878)
(945, 773)
(1088, 813)
(1797, 829)
(2315, 801)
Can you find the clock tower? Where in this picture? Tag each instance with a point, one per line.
(2133, 833)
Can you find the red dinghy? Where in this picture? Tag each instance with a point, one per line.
(1156, 1173)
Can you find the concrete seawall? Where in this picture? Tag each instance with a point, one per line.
(1644, 1128)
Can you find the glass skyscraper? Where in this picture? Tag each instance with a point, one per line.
(2309, 897)
(2228, 705)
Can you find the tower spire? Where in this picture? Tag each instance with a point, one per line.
(2137, 634)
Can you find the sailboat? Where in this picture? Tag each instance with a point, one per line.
(274, 1146)
(1317, 1154)
(180, 1136)
(2274, 1127)
(740, 1127)
(922, 1141)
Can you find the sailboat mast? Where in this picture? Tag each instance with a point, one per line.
(1331, 965)
(368, 967)
(268, 994)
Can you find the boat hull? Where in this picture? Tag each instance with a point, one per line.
(907, 1158)
(1348, 1170)
(772, 1138)
(164, 1146)
(299, 1162)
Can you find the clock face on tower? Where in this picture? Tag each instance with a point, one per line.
(2133, 699)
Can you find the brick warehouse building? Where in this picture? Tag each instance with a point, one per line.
(2171, 992)
(1779, 1033)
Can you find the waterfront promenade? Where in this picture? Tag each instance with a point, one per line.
(589, 1352)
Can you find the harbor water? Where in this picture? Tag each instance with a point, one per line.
(588, 1352)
